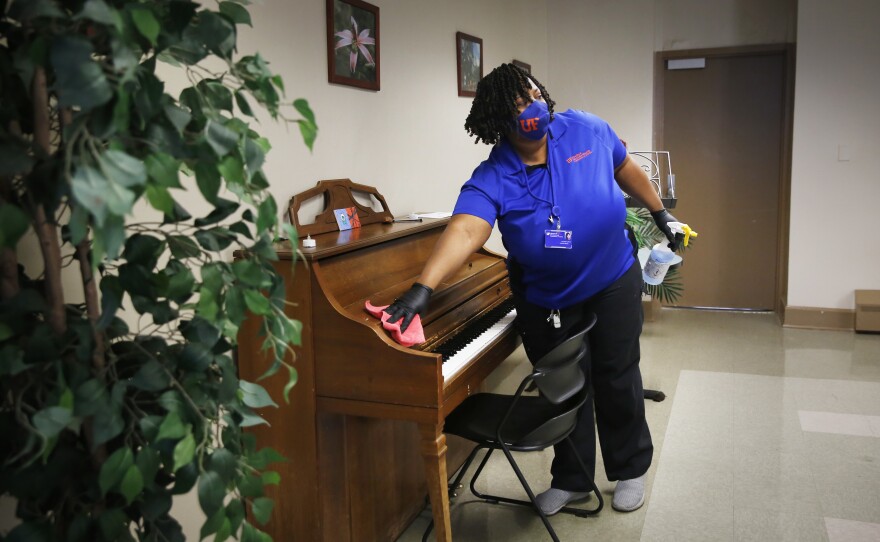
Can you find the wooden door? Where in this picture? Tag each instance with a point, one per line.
(724, 125)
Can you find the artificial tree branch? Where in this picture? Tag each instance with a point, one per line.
(90, 286)
(9, 285)
(90, 290)
(40, 99)
(93, 305)
(66, 116)
(46, 230)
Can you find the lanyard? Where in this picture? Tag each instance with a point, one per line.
(554, 209)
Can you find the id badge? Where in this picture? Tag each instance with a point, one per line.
(557, 239)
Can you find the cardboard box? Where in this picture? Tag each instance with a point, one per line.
(868, 310)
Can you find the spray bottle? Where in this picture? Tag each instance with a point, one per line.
(662, 257)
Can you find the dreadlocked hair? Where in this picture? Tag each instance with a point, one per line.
(494, 107)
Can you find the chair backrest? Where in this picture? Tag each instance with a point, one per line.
(558, 374)
(559, 377)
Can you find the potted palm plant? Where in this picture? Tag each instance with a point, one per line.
(647, 234)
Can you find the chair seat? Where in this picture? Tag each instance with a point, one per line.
(534, 424)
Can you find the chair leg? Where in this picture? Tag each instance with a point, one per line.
(529, 492)
(488, 498)
(495, 499)
(654, 395)
(428, 531)
(456, 482)
(580, 511)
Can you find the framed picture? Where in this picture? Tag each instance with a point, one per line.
(353, 43)
(523, 65)
(469, 60)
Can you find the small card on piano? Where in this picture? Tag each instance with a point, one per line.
(347, 218)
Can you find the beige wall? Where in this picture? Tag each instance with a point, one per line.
(601, 54)
(694, 24)
(407, 139)
(834, 248)
(601, 61)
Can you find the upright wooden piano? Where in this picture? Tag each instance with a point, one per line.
(363, 432)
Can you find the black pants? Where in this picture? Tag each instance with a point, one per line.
(612, 371)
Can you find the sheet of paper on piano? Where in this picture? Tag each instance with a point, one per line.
(438, 214)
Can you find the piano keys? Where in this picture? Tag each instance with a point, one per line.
(363, 430)
(460, 350)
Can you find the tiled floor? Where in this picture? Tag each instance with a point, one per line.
(767, 434)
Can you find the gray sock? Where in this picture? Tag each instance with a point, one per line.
(629, 495)
(552, 500)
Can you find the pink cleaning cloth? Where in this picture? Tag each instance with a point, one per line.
(414, 334)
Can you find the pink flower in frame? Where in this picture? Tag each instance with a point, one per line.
(357, 42)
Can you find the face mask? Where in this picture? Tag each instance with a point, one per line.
(533, 122)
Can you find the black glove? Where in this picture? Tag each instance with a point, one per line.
(407, 306)
(663, 218)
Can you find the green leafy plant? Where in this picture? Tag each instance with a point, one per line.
(647, 234)
(104, 419)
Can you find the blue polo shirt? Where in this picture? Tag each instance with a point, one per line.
(582, 154)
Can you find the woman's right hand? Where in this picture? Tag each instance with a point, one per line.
(414, 301)
(462, 237)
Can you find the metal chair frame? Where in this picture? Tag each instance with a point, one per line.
(576, 395)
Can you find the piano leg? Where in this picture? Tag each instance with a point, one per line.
(434, 456)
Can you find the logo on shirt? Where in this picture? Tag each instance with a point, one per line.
(578, 157)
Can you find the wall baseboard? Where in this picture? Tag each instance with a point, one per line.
(819, 318)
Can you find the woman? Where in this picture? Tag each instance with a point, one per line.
(553, 183)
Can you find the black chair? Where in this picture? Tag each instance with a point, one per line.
(521, 423)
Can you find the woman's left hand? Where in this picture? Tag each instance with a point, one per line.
(662, 218)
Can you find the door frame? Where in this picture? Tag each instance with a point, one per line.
(784, 211)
